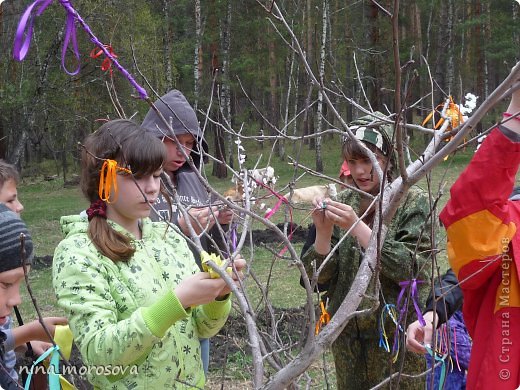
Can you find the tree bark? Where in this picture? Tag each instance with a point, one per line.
(197, 58)
(168, 44)
(325, 17)
(219, 166)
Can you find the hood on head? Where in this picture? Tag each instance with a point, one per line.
(177, 111)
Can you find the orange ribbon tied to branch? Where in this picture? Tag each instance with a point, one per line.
(452, 112)
(107, 62)
(324, 318)
(107, 180)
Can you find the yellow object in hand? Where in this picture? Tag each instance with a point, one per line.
(205, 257)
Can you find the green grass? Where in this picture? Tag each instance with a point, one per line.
(45, 202)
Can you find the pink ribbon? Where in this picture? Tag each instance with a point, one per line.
(270, 213)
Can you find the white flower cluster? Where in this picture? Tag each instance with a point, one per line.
(265, 176)
(240, 149)
(469, 105)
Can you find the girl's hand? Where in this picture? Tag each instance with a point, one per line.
(339, 214)
(418, 336)
(238, 265)
(39, 347)
(199, 289)
(342, 215)
(201, 218)
(319, 216)
(225, 216)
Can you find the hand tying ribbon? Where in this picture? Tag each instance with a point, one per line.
(107, 179)
(22, 43)
(205, 257)
(412, 284)
(107, 62)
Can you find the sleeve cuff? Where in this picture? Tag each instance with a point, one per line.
(439, 309)
(163, 314)
(216, 309)
(315, 255)
(510, 134)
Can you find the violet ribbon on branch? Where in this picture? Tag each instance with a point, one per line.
(21, 43)
(414, 296)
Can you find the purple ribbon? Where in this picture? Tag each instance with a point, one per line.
(414, 296)
(21, 43)
(233, 237)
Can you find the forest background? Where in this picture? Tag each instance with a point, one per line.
(236, 56)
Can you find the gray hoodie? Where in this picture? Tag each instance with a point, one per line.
(178, 112)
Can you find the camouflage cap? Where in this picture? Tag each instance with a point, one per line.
(378, 135)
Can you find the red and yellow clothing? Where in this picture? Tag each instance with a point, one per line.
(483, 250)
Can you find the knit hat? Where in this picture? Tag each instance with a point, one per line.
(11, 226)
(176, 110)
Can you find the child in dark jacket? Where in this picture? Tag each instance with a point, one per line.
(11, 277)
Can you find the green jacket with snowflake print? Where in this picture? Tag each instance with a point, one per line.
(125, 316)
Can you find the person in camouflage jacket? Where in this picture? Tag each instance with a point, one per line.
(360, 362)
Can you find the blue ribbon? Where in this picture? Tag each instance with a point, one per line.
(53, 370)
(438, 358)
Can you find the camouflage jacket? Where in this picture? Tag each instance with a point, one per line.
(400, 259)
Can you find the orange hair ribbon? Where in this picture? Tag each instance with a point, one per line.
(107, 179)
(324, 318)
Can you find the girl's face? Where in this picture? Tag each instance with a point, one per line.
(10, 291)
(361, 171)
(130, 205)
(174, 156)
(9, 196)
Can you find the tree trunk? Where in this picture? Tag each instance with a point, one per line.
(478, 39)
(373, 87)
(219, 167)
(225, 103)
(450, 67)
(319, 161)
(168, 44)
(197, 60)
(273, 91)
(309, 114)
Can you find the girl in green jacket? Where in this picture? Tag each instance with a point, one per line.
(136, 301)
